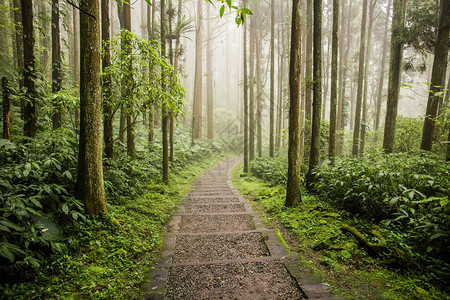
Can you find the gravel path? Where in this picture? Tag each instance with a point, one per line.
(217, 247)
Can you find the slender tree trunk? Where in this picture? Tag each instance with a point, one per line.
(437, 76)
(398, 25)
(308, 70)
(209, 78)
(76, 61)
(44, 39)
(280, 87)
(258, 124)
(245, 97)
(317, 94)
(359, 93)
(197, 109)
(165, 119)
(56, 64)
(29, 69)
(364, 123)
(19, 49)
(106, 87)
(171, 56)
(382, 71)
(90, 188)
(340, 108)
(151, 110)
(251, 141)
(6, 110)
(272, 78)
(293, 195)
(334, 78)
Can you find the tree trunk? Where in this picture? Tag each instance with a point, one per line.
(106, 87)
(251, 113)
(90, 188)
(395, 64)
(6, 110)
(19, 49)
(76, 62)
(165, 114)
(293, 195)
(151, 110)
(437, 76)
(280, 85)
(29, 69)
(366, 81)
(317, 94)
(308, 70)
(259, 92)
(272, 79)
(245, 97)
(334, 75)
(56, 64)
(44, 39)
(382, 71)
(209, 78)
(197, 107)
(359, 92)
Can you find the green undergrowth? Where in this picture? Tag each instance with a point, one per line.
(314, 228)
(115, 251)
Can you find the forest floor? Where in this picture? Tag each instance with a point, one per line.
(218, 247)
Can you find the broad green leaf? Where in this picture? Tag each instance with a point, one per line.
(65, 208)
(222, 10)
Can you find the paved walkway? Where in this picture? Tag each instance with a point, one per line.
(218, 247)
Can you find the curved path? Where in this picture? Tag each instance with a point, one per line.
(218, 247)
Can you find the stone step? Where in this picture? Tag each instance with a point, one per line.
(199, 208)
(211, 223)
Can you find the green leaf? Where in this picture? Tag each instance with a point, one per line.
(6, 253)
(246, 11)
(229, 3)
(65, 208)
(11, 225)
(222, 10)
(27, 169)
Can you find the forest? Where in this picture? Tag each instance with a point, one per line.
(335, 114)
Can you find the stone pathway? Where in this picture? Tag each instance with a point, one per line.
(218, 247)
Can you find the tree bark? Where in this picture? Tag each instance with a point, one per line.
(317, 94)
(209, 78)
(19, 49)
(6, 110)
(151, 110)
(272, 79)
(56, 64)
(359, 92)
(308, 70)
(334, 78)
(258, 119)
(251, 141)
(164, 114)
(106, 87)
(382, 71)
(245, 97)
(29, 69)
(437, 76)
(395, 63)
(293, 195)
(197, 107)
(364, 123)
(90, 188)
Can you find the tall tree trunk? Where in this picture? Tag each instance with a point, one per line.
(197, 107)
(209, 78)
(317, 94)
(334, 78)
(395, 63)
(127, 82)
(106, 87)
(364, 123)
(90, 188)
(164, 114)
(151, 110)
(272, 79)
(308, 70)
(245, 98)
(171, 57)
(44, 40)
(56, 64)
(251, 147)
(258, 118)
(382, 71)
(437, 76)
(6, 110)
(280, 85)
(76, 62)
(362, 47)
(19, 49)
(293, 195)
(29, 69)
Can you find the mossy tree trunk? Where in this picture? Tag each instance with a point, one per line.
(108, 114)
(395, 64)
(165, 118)
(56, 64)
(334, 78)
(6, 110)
(30, 116)
(19, 49)
(437, 76)
(293, 195)
(90, 188)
